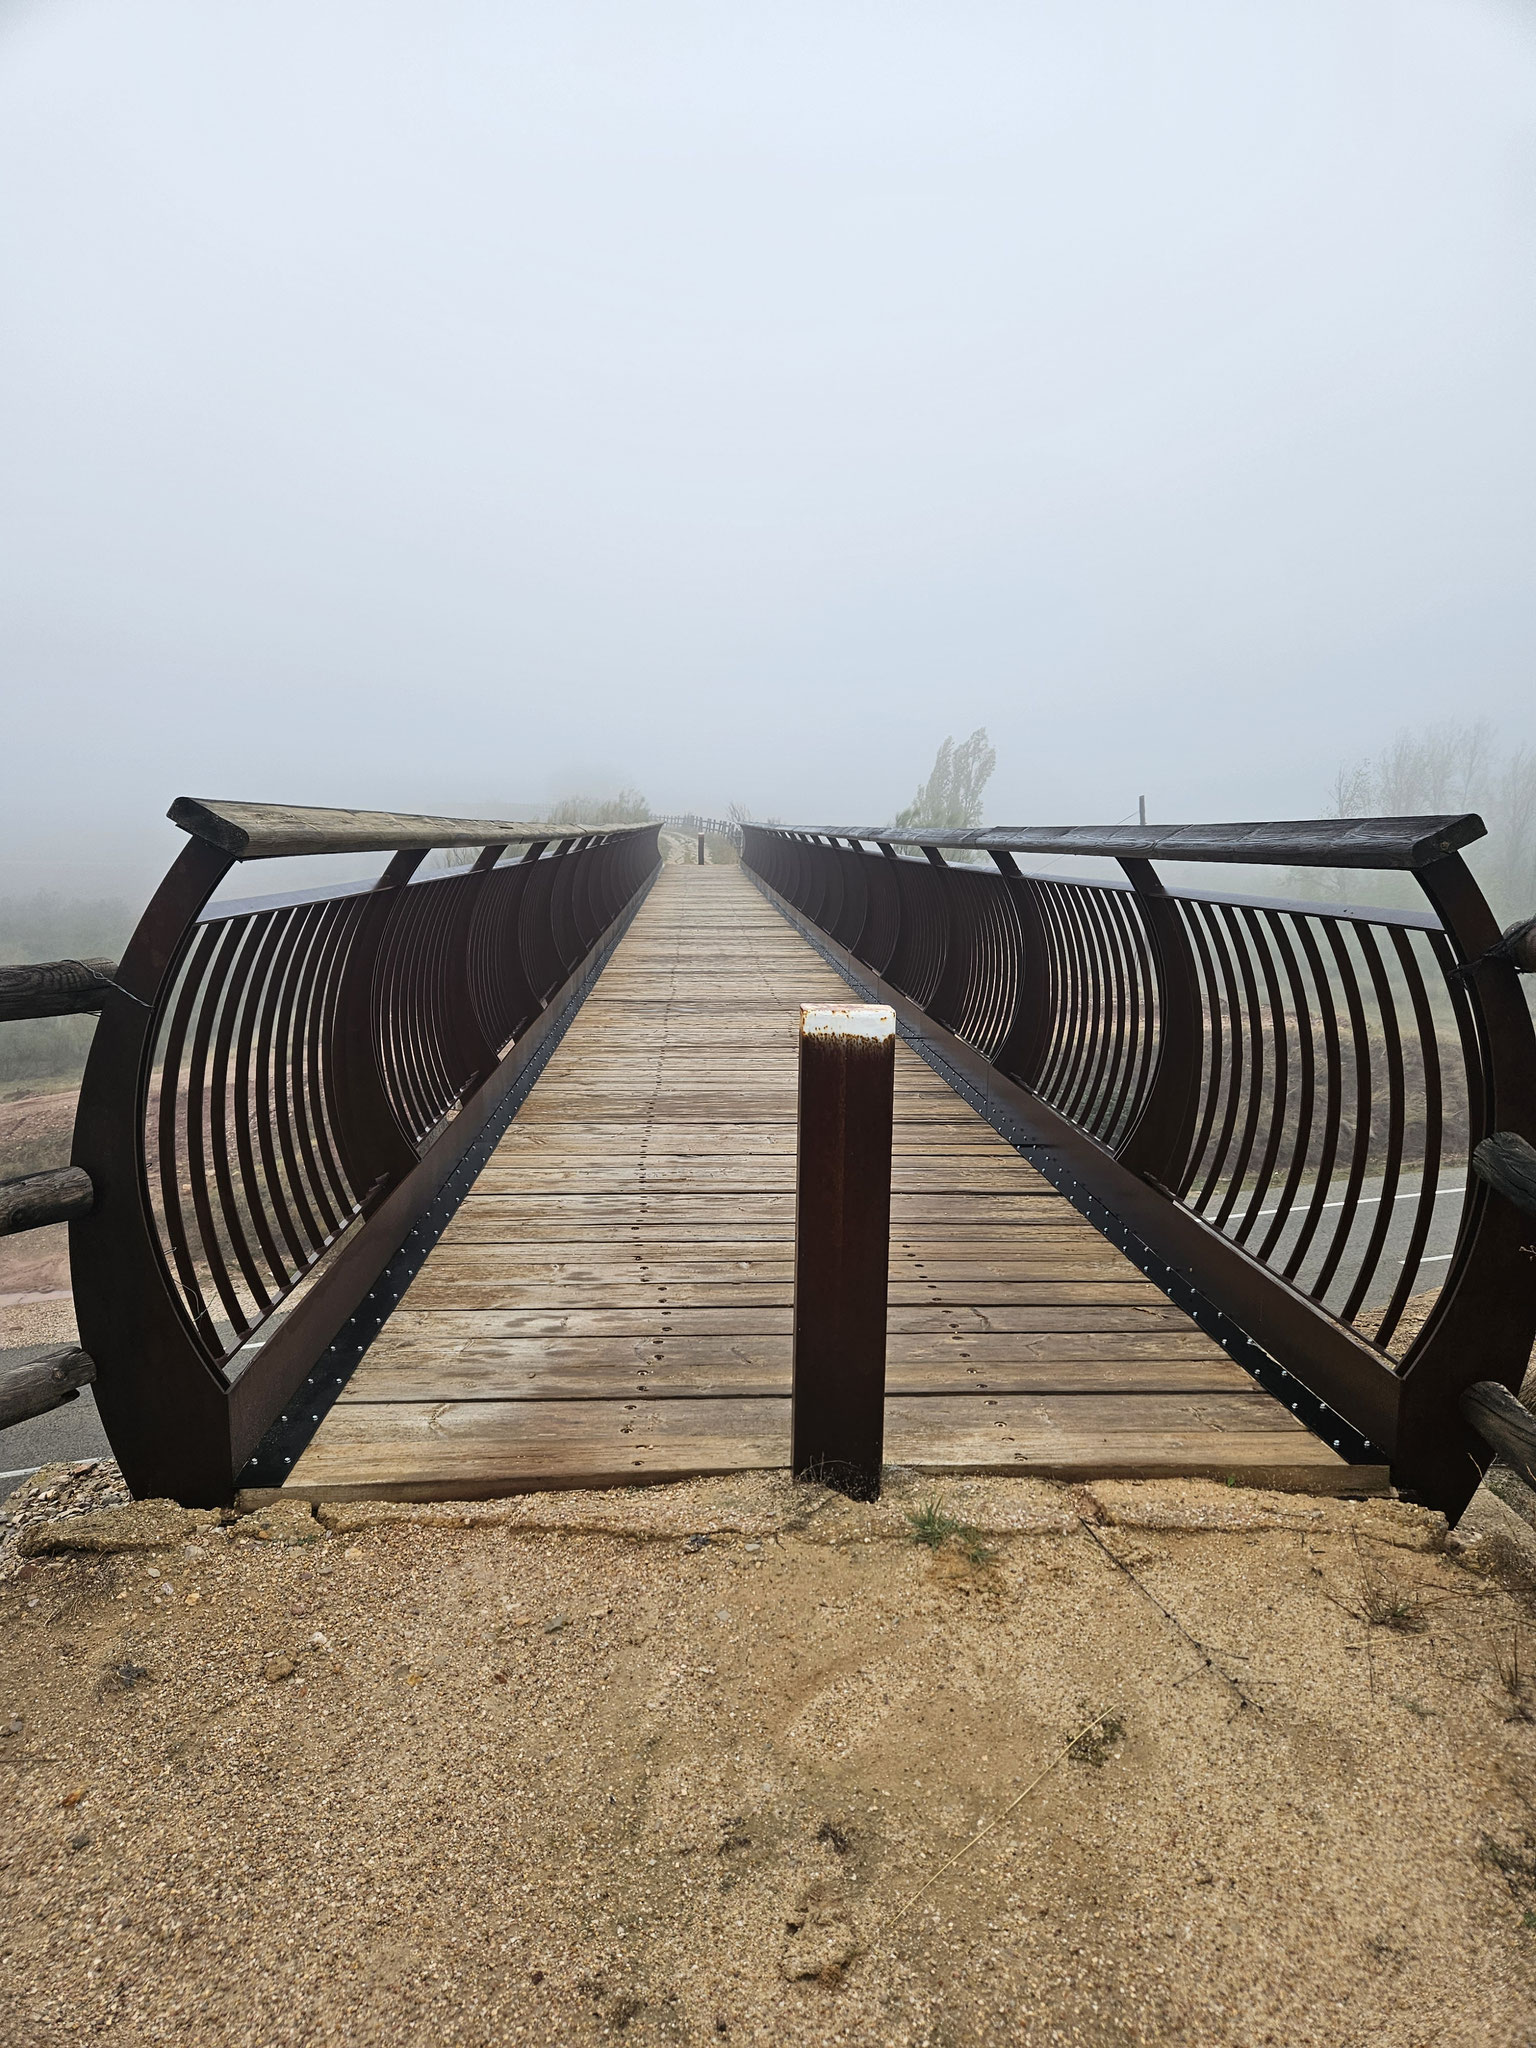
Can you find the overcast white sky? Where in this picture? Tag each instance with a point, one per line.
(447, 405)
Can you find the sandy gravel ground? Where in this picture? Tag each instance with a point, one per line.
(702, 1764)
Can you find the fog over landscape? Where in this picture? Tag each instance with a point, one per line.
(465, 409)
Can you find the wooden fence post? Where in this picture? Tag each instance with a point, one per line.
(842, 1244)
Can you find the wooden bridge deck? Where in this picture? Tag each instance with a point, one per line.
(611, 1303)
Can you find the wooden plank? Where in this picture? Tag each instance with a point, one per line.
(433, 1291)
(469, 1374)
(422, 1349)
(481, 1449)
(477, 1264)
(907, 1210)
(455, 1321)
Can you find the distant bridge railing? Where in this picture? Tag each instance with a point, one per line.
(1280, 1099)
(279, 1088)
(714, 828)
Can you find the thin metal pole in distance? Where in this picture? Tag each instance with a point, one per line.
(842, 1244)
(701, 849)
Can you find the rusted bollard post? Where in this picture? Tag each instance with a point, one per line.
(842, 1244)
(701, 849)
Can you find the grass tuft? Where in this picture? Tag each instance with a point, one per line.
(1387, 1606)
(933, 1526)
(1516, 1682)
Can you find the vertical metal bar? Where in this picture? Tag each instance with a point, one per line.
(1060, 1007)
(268, 929)
(174, 1143)
(1482, 1325)
(200, 1119)
(842, 1244)
(1301, 1138)
(288, 1080)
(701, 849)
(160, 1396)
(1333, 1096)
(1157, 1144)
(322, 1082)
(1429, 1168)
(1133, 1025)
(1084, 1017)
(1225, 1004)
(301, 1085)
(470, 1048)
(1211, 1082)
(374, 1149)
(1359, 1153)
(1386, 1200)
(287, 924)
(1240, 950)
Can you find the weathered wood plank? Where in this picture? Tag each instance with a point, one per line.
(471, 1375)
(54, 988)
(35, 1378)
(37, 1199)
(1501, 1421)
(484, 1448)
(275, 831)
(558, 1317)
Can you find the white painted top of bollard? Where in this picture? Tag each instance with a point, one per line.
(847, 1020)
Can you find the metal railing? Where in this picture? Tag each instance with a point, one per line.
(714, 828)
(1279, 1098)
(279, 1087)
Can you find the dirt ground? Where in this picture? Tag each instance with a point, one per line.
(709, 1763)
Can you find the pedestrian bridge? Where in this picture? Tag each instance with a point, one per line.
(476, 1178)
(612, 1299)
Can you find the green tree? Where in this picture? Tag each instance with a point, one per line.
(951, 797)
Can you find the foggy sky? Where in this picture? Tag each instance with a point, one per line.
(471, 404)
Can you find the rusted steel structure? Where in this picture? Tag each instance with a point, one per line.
(842, 1244)
(279, 1088)
(1277, 1099)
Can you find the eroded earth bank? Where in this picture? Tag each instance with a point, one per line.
(710, 1763)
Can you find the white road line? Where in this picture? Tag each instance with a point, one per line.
(1367, 1201)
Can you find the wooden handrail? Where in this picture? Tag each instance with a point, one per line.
(277, 831)
(1403, 843)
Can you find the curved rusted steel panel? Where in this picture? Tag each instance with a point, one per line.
(1280, 1097)
(277, 1089)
